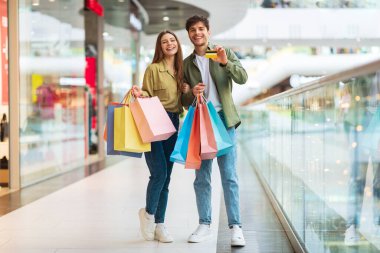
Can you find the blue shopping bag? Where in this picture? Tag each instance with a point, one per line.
(110, 134)
(180, 149)
(222, 138)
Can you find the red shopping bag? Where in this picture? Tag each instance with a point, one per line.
(209, 148)
(193, 158)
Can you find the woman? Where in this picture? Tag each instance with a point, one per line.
(162, 78)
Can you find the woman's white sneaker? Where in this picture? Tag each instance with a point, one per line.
(161, 233)
(237, 237)
(147, 225)
(202, 233)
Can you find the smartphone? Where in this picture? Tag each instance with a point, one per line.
(211, 54)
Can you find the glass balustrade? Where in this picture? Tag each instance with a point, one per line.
(318, 150)
(315, 4)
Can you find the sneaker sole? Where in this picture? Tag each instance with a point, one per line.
(157, 239)
(237, 244)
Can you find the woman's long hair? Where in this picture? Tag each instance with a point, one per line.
(178, 61)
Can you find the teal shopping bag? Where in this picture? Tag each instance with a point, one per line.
(222, 138)
(180, 149)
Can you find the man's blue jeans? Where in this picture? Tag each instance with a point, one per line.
(202, 186)
(160, 167)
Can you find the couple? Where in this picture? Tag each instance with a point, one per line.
(176, 82)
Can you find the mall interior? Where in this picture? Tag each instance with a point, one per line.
(307, 146)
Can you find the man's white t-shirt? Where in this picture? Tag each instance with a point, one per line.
(211, 93)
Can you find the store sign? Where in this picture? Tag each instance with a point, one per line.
(95, 6)
(90, 72)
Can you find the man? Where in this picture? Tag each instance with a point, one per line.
(214, 79)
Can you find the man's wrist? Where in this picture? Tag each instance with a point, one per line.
(223, 64)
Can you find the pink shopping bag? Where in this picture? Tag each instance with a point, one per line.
(152, 121)
(208, 143)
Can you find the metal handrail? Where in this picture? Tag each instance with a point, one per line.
(344, 75)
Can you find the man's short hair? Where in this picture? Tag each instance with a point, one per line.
(195, 19)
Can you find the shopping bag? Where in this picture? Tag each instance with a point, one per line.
(193, 158)
(152, 121)
(126, 135)
(222, 138)
(105, 133)
(109, 133)
(181, 146)
(208, 144)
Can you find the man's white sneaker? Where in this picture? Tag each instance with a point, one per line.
(202, 233)
(351, 237)
(147, 225)
(237, 238)
(161, 233)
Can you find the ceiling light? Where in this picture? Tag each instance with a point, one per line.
(51, 0)
(105, 34)
(35, 2)
(121, 1)
(166, 18)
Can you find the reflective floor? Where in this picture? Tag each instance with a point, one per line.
(263, 230)
(98, 213)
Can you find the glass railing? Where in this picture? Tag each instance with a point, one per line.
(336, 4)
(317, 150)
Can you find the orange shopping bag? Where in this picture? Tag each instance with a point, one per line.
(193, 158)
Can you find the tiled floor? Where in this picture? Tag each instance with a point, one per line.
(99, 214)
(262, 229)
(16, 199)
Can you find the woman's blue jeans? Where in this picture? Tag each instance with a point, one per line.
(160, 167)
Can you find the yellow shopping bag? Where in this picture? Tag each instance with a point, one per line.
(126, 135)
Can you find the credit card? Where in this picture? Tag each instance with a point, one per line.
(211, 54)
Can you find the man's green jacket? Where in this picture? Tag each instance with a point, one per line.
(222, 77)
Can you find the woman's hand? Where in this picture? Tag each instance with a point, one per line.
(198, 89)
(185, 88)
(136, 91)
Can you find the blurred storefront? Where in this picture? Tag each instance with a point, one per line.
(65, 79)
(53, 93)
(4, 96)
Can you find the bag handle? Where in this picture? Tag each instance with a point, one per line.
(128, 98)
(199, 99)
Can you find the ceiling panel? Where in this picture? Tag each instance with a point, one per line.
(177, 12)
